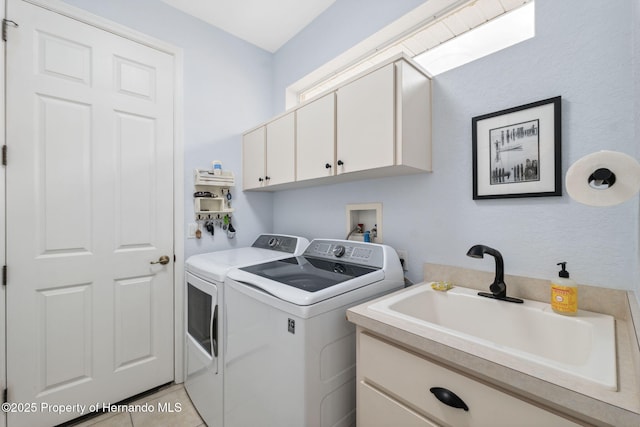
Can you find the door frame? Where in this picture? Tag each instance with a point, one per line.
(3, 228)
(178, 171)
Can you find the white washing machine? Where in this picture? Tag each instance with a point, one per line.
(290, 355)
(205, 275)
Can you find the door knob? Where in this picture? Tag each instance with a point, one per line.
(164, 260)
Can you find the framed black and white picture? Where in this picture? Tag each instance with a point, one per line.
(517, 152)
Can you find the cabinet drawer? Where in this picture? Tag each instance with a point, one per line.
(409, 378)
(383, 411)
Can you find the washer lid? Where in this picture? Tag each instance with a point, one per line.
(308, 274)
(215, 265)
(305, 280)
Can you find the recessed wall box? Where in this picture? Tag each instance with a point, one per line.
(367, 214)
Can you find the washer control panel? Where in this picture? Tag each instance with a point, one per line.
(276, 242)
(346, 251)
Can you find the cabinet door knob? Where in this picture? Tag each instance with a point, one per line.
(267, 178)
(327, 166)
(448, 398)
(340, 163)
(260, 179)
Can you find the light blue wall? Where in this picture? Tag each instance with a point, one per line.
(343, 25)
(227, 89)
(582, 51)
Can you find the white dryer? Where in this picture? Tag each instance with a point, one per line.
(205, 275)
(290, 355)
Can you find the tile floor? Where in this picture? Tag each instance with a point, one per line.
(167, 397)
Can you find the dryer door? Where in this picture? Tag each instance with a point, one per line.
(202, 326)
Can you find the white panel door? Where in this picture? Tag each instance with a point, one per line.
(366, 122)
(89, 208)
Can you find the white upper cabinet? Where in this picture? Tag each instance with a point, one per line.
(384, 122)
(413, 118)
(268, 154)
(316, 139)
(281, 150)
(253, 158)
(377, 124)
(365, 122)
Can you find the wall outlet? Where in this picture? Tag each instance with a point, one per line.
(193, 227)
(404, 259)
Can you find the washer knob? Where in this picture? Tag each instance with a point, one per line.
(339, 268)
(338, 251)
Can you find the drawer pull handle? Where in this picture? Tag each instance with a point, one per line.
(448, 398)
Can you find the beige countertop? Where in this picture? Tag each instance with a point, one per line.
(583, 401)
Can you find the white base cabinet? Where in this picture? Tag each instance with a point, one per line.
(398, 387)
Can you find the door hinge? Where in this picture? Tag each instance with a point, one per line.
(4, 275)
(5, 25)
(4, 395)
(4, 155)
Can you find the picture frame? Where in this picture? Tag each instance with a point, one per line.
(517, 151)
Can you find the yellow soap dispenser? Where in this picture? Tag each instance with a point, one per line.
(564, 293)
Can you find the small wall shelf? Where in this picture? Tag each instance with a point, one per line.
(216, 197)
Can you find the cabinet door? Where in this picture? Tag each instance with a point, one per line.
(281, 150)
(253, 159)
(413, 115)
(365, 122)
(316, 139)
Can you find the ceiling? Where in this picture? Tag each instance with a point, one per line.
(268, 24)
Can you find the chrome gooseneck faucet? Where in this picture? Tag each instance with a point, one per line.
(498, 288)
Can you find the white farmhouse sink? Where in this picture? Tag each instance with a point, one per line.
(582, 346)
